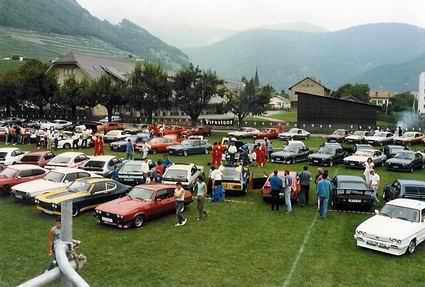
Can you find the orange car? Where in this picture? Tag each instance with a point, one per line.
(267, 133)
(173, 130)
(109, 127)
(265, 191)
(159, 144)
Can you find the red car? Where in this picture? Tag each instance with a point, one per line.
(17, 174)
(267, 133)
(160, 144)
(265, 191)
(337, 136)
(144, 202)
(173, 130)
(40, 158)
(198, 131)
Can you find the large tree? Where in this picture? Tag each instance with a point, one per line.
(149, 88)
(357, 91)
(252, 100)
(403, 102)
(193, 89)
(10, 90)
(74, 94)
(39, 84)
(108, 93)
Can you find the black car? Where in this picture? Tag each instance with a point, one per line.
(327, 156)
(291, 153)
(391, 150)
(405, 188)
(351, 191)
(190, 147)
(135, 139)
(406, 161)
(132, 174)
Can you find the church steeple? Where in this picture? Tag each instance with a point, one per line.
(256, 80)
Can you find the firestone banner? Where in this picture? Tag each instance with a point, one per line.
(219, 122)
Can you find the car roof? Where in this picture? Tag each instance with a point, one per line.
(187, 166)
(296, 143)
(71, 154)
(155, 186)
(411, 181)
(25, 166)
(8, 149)
(395, 146)
(102, 157)
(409, 203)
(38, 152)
(67, 170)
(228, 166)
(93, 179)
(349, 178)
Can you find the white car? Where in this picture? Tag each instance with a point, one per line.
(66, 139)
(57, 178)
(113, 119)
(68, 159)
(10, 155)
(358, 136)
(186, 173)
(380, 138)
(359, 158)
(396, 229)
(103, 165)
(56, 125)
(116, 135)
(294, 134)
(245, 132)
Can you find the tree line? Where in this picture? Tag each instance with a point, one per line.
(148, 88)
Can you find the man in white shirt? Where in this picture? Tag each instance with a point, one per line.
(217, 185)
(179, 195)
(374, 180)
(232, 153)
(145, 166)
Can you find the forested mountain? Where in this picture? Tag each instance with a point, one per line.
(285, 57)
(67, 17)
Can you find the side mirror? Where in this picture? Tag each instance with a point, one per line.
(18, 177)
(376, 211)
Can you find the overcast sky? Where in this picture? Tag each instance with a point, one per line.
(242, 14)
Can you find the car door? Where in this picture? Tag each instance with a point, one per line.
(100, 192)
(161, 203)
(418, 161)
(24, 176)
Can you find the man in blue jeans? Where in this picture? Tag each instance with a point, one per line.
(324, 189)
(276, 184)
(288, 190)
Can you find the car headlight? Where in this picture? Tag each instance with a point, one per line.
(36, 201)
(398, 241)
(360, 233)
(393, 240)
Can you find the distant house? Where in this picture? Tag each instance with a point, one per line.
(278, 102)
(380, 98)
(309, 86)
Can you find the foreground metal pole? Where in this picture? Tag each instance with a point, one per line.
(61, 250)
(66, 234)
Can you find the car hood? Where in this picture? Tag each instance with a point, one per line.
(38, 185)
(375, 138)
(119, 143)
(237, 133)
(353, 137)
(122, 206)
(287, 134)
(399, 161)
(59, 195)
(283, 154)
(387, 227)
(320, 155)
(356, 158)
(403, 139)
(178, 147)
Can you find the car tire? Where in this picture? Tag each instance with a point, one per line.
(185, 153)
(139, 221)
(412, 169)
(293, 161)
(75, 211)
(412, 247)
(331, 163)
(67, 146)
(206, 151)
(154, 151)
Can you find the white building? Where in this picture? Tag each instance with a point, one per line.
(421, 94)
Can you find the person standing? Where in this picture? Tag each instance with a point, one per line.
(85, 137)
(217, 185)
(288, 189)
(75, 140)
(276, 184)
(101, 145)
(214, 153)
(374, 180)
(232, 150)
(49, 137)
(96, 144)
(179, 195)
(56, 139)
(304, 178)
(166, 162)
(324, 189)
(368, 165)
(159, 171)
(6, 135)
(201, 191)
(54, 236)
(400, 132)
(129, 150)
(219, 154)
(145, 150)
(269, 148)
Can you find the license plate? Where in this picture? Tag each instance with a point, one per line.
(129, 179)
(48, 211)
(371, 243)
(106, 219)
(354, 200)
(18, 196)
(353, 164)
(316, 161)
(395, 166)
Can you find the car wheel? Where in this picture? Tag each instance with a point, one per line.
(412, 247)
(75, 211)
(331, 163)
(185, 152)
(139, 221)
(67, 146)
(293, 161)
(412, 169)
(154, 151)
(206, 151)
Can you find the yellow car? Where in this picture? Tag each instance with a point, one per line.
(235, 178)
(85, 193)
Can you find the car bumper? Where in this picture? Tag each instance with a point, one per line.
(315, 161)
(380, 246)
(398, 167)
(232, 186)
(281, 160)
(132, 181)
(174, 152)
(117, 148)
(104, 219)
(354, 164)
(358, 202)
(48, 211)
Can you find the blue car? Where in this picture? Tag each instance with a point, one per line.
(135, 139)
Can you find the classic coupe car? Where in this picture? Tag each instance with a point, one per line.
(338, 136)
(391, 150)
(135, 139)
(380, 138)
(10, 155)
(358, 137)
(409, 138)
(245, 132)
(294, 152)
(40, 158)
(359, 158)
(160, 144)
(102, 165)
(66, 139)
(271, 133)
(173, 130)
(351, 191)
(235, 178)
(107, 127)
(67, 159)
(266, 190)
(198, 131)
(114, 119)
(58, 178)
(294, 134)
(187, 147)
(116, 135)
(144, 202)
(85, 194)
(406, 160)
(56, 125)
(186, 173)
(396, 229)
(132, 172)
(13, 175)
(405, 188)
(327, 156)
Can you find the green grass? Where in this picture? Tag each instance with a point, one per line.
(290, 117)
(239, 244)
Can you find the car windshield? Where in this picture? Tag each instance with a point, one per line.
(352, 187)
(186, 143)
(95, 163)
(288, 148)
(230, 173)
(79, 186)
(131, 168)
(405, 155)
(31, 158)
(60, 160)
(380, 135)
(408, 135)
(364, 153)
(9, 172)
(359, 133)
(140, 193)
(325, 150)
(339, 132)
(176, 173)
(400, 212)
(3, 154)
(54, 176)
(293, 131)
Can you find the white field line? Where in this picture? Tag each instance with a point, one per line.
(300, 252)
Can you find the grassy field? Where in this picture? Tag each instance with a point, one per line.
(241, 243)
(290, 117)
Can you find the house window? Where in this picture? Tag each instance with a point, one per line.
(68, 71)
